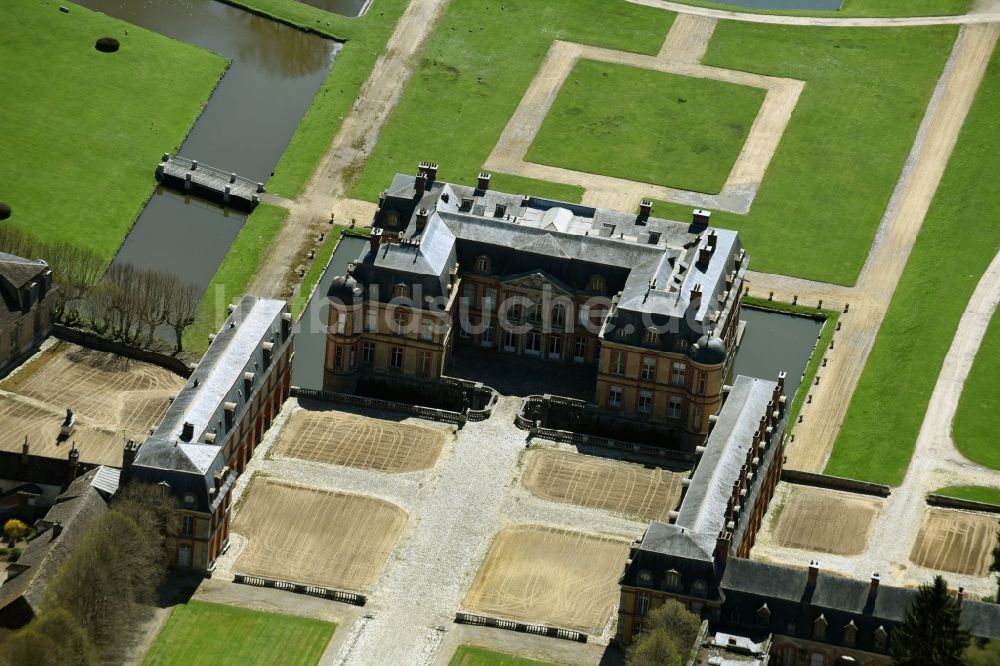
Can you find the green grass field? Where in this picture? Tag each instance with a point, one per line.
(199, 633)
(973, 428)
(365, 39)
(235, 273)
(647, 126)
(827, 186)
(80, 130)
(466, 655)
(973, 493)
(471, 77)
(859, 8)
(958, 240)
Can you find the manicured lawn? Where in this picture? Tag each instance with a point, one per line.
(647, 126)
(958, 240)
(974, 427)
(861, 8)
(81, 130)
(466, 655)
(825, 191)
(235, 273)
(214, 634)
(973, 493)
(473, 73)
(365, 39)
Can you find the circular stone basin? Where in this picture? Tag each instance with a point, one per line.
(107, 45)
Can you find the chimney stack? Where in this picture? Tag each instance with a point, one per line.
(645, 208)
(701, 217)
(421, 219)
(708, 249)
(24, 452)
(483, 183)
(429, 170)
(57, 529)
(694, 300)
(187, 431)
(420, 183)
(873, 591)
(961, 596)
(813, 572)
(722, 543)
(74, 462)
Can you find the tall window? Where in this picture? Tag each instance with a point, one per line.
(338, 358)
(651, 337)
(677, 374)
(368, 353)
(674, 411)
(580, 349)
(641, 603)
(426, 329)
(489, 298)
(341, 323)
(371, 320)
(534, 312)
(615, 397)
(558, 316)
(424, 363)
(396, 361)
(672, 580)
(534, 343)
(701, 383)
(187, 525)
(483, 263)
(555, 346)
(617, 363)
(487, 337)
(469, 293)
(645, 404)
(649, 369)
(400, 323)
(509, 341)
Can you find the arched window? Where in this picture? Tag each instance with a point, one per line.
(645, 577)
(483, 264)
(400, 290)
(672, 580)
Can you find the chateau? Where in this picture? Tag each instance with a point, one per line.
(653, 305)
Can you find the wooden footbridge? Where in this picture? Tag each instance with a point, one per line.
(208, 182)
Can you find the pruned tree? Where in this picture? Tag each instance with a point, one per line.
(15, 529)
(931, 633)
(153, 290)
(182, 307)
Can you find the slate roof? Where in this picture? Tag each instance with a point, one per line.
(704, 505)
(75, 510)
(190, 464)
(523, 234)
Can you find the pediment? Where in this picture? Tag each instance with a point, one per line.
(537, 281)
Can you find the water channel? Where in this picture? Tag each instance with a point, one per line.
(772, 342)
(310, 339)
(275, 73)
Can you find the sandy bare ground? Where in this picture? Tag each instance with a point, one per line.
(114, 399)
(956, 541)
(338, 438)
(552, 576)
(325, 193)
(599, 483)
(870, 298)
(983, 12)
(682, 49)
(820, 520)
(310, 535)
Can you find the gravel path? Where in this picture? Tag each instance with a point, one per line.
(936, 464)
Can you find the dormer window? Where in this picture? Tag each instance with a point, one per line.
(483, 264)
(880, 638)
(596, 283)
(401, 291)
(819, 628)
(850, 633)
(500, 211)
(645, 577)
(764, 616)
(651, 337)
(672, 580)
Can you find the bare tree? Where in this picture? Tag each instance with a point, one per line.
(182, 307)
(153, 291)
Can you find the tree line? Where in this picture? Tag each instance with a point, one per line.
(94, 605)
(125, 303)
